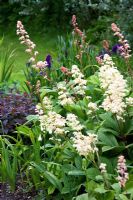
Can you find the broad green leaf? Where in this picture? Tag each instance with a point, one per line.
(78, 162)
(48, 175)
(108, 139)
(83, 197)
(68, 167)
(32, 117)
(129, 187)
(116, 187)
(101, 190)
(76, 173)
(109, 195)
(91, 185)
(114, 150)
(123, 197)
(109, 122)
(92, 173)
(53, 179)
(45, 91)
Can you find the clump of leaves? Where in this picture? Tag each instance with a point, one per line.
(14, 108)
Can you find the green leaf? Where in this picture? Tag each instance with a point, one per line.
(107, 139)
(51, 189)
(76, 109)
(116, 187)
(114, 150)
(92, 173)
(94, 80)
(32, 117)
(108, 130)
(48, 175)
(109, 122)
(45, 91)
(109, 195)
(78, 162)
(106, 148)
(123, 197)
(53, 179)
(90, 186)
(129, 187)
(76, 173)
(100, 190)
(83, 197)
(68, 167)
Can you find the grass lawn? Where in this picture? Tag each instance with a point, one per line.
(45, 44)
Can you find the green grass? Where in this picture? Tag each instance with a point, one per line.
(45, 44)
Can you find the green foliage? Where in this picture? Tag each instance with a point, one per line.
(6, 64)
(43, 150)
(8, 165)
(125, 11)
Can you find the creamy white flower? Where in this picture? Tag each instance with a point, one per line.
(115, 87)
(129, 101)
(92, 106)
(64, 96)
(32, 59)
(52, 122)
(73, 122)
(85, 144)
(47, 103)
(102, 167)
(79, 84)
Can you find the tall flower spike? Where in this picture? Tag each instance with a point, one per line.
(64, 95)
(102, 167)
(115, 87)
(80, 43)
(24, 38)
(79, 83)
(124, 49)
(122, 171)
(73, 122)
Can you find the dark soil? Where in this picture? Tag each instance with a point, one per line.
(18, 194)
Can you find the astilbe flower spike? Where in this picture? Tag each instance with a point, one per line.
(85, 144)
(50, 121)
(79, 83)
(73, 122)
(124, 47)
(68, 90)
(25, 39)
(122, 171)
(115, 87)
(64, 96)
(102, 168)
(80, 43)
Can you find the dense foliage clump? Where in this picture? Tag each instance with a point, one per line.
(14, 108)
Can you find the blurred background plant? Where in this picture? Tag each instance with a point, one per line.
(7, 59)
(42, 18)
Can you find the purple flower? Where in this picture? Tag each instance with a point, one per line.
(116, 48)
(42, 73)
(49, 59)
